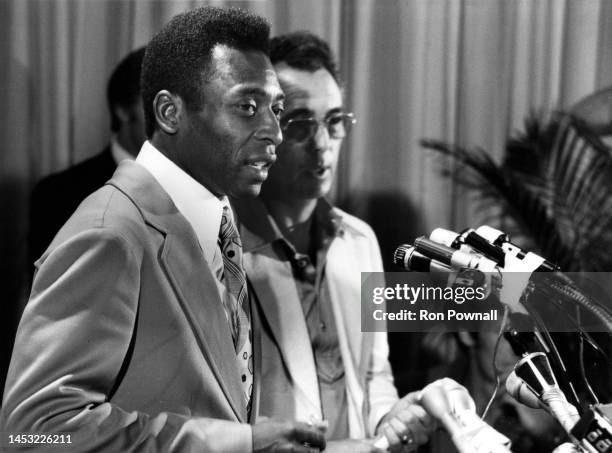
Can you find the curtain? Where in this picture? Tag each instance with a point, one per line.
(464, 71)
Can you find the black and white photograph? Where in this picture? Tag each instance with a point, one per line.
(302, 226)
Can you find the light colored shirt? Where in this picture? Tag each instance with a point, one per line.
(312, 285)
(201, 208)
(118, 152)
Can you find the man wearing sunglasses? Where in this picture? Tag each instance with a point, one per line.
(303, 258)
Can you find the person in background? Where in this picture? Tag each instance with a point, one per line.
(56, 197)
(304, 260)
(138, 332)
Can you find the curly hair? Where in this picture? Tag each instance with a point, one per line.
(303, 50)
(177, 58)
(124, 84)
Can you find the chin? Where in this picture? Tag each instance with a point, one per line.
(316, 192)
(250, 191)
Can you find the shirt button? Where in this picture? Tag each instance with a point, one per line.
(310, 273)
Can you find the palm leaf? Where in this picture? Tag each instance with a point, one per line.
(555, 183)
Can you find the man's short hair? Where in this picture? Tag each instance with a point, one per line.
(177, 58)
(123, 87)
(305, 51)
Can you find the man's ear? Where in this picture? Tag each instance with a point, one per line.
(167, 108)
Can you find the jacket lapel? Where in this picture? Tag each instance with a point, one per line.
(356, 346)
(190, 276)
(199, 297)
(279, 300)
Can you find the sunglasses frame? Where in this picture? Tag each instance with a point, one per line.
(348, 119)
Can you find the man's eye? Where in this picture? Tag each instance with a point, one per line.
(249, 108)
(278, 111)
(334, 120)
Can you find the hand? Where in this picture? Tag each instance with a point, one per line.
(290, 437)
(407, 425)
(457, 395)
(351, 446)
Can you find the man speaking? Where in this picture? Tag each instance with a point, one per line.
(304, 259)
(138, 332)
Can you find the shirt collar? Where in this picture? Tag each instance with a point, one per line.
(118, 152)
(200, 207)
(328, 218)
(259, 227)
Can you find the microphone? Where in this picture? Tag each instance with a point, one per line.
(453, 258)
(469, 241)
(510, 280)
(452, 405)
(568, 447)
(535, 371)
(594, 429)
(510, 284)
(534, 262)
(561, 410)
(407, 257)
(521, 392)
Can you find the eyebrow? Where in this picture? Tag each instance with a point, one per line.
(334, 111)
(257, 91)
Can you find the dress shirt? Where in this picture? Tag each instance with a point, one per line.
(200, 207)
(317, 307)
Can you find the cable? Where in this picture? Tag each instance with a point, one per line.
(495, 369)
(565, 286)
(583, 375)
(576, 323)
(553, 296)
(555, 356)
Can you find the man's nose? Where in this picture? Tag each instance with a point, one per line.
(270, 128)
(321, 138)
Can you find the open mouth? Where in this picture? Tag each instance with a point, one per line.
(258, 168)
(260, 165)
(261, 161)
(321, 171)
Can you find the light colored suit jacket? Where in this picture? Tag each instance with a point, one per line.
(286, 352)
(124, 342)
